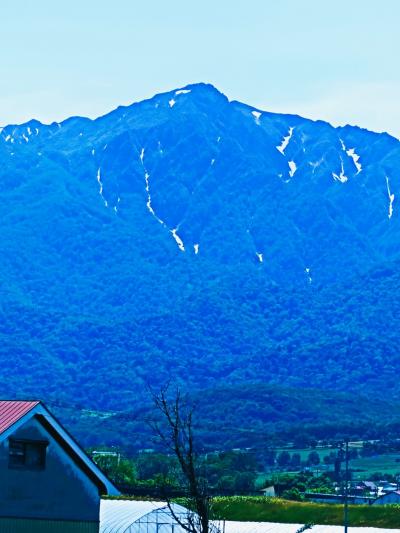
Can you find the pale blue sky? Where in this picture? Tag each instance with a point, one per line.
(332, 59)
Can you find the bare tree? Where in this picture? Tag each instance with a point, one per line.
(175, 430)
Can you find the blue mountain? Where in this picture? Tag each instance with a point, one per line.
(193, 237)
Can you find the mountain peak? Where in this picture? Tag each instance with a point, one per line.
(202, 93)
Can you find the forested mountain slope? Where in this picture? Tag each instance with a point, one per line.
(193, 237)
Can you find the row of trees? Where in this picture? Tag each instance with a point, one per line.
(285, 460)
(226, 472)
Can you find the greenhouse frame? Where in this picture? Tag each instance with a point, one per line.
(134, 516)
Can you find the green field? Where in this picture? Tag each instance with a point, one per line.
(276, 471)
(259, 509)
(365, 466)
(381, 463)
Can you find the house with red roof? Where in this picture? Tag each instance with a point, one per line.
(48, 483)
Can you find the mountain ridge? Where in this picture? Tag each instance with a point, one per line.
(190, 86)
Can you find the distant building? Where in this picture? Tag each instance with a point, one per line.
(48, 483)
(388, 498)
(369, 485)
(365, 487)
(268, 491)
(385, 486)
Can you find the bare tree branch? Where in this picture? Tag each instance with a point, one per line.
(304, 528)
(176, 434)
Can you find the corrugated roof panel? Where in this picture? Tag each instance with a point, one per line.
(12, 410)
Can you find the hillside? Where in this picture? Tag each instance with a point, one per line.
(191, 237)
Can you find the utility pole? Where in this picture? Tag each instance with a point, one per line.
(346, 489)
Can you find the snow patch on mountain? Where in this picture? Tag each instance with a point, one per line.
(355, 157)
(292, 168)
(391, 199)
(147, 189)
(256, 115)
(178, 240)
(99, 181)
(148, 203)
(285, 141)
(351, 152)
(340, 177)
(174, 232)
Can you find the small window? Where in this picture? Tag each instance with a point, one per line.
(27, 454)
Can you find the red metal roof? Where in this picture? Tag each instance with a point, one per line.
(11, 411)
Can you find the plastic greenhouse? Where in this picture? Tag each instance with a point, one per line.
(130, 516)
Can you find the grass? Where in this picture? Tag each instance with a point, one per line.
(260, 509)
(385, 463)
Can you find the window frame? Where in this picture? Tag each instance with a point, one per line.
(24, 444)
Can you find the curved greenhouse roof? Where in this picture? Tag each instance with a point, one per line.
(133, 516)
